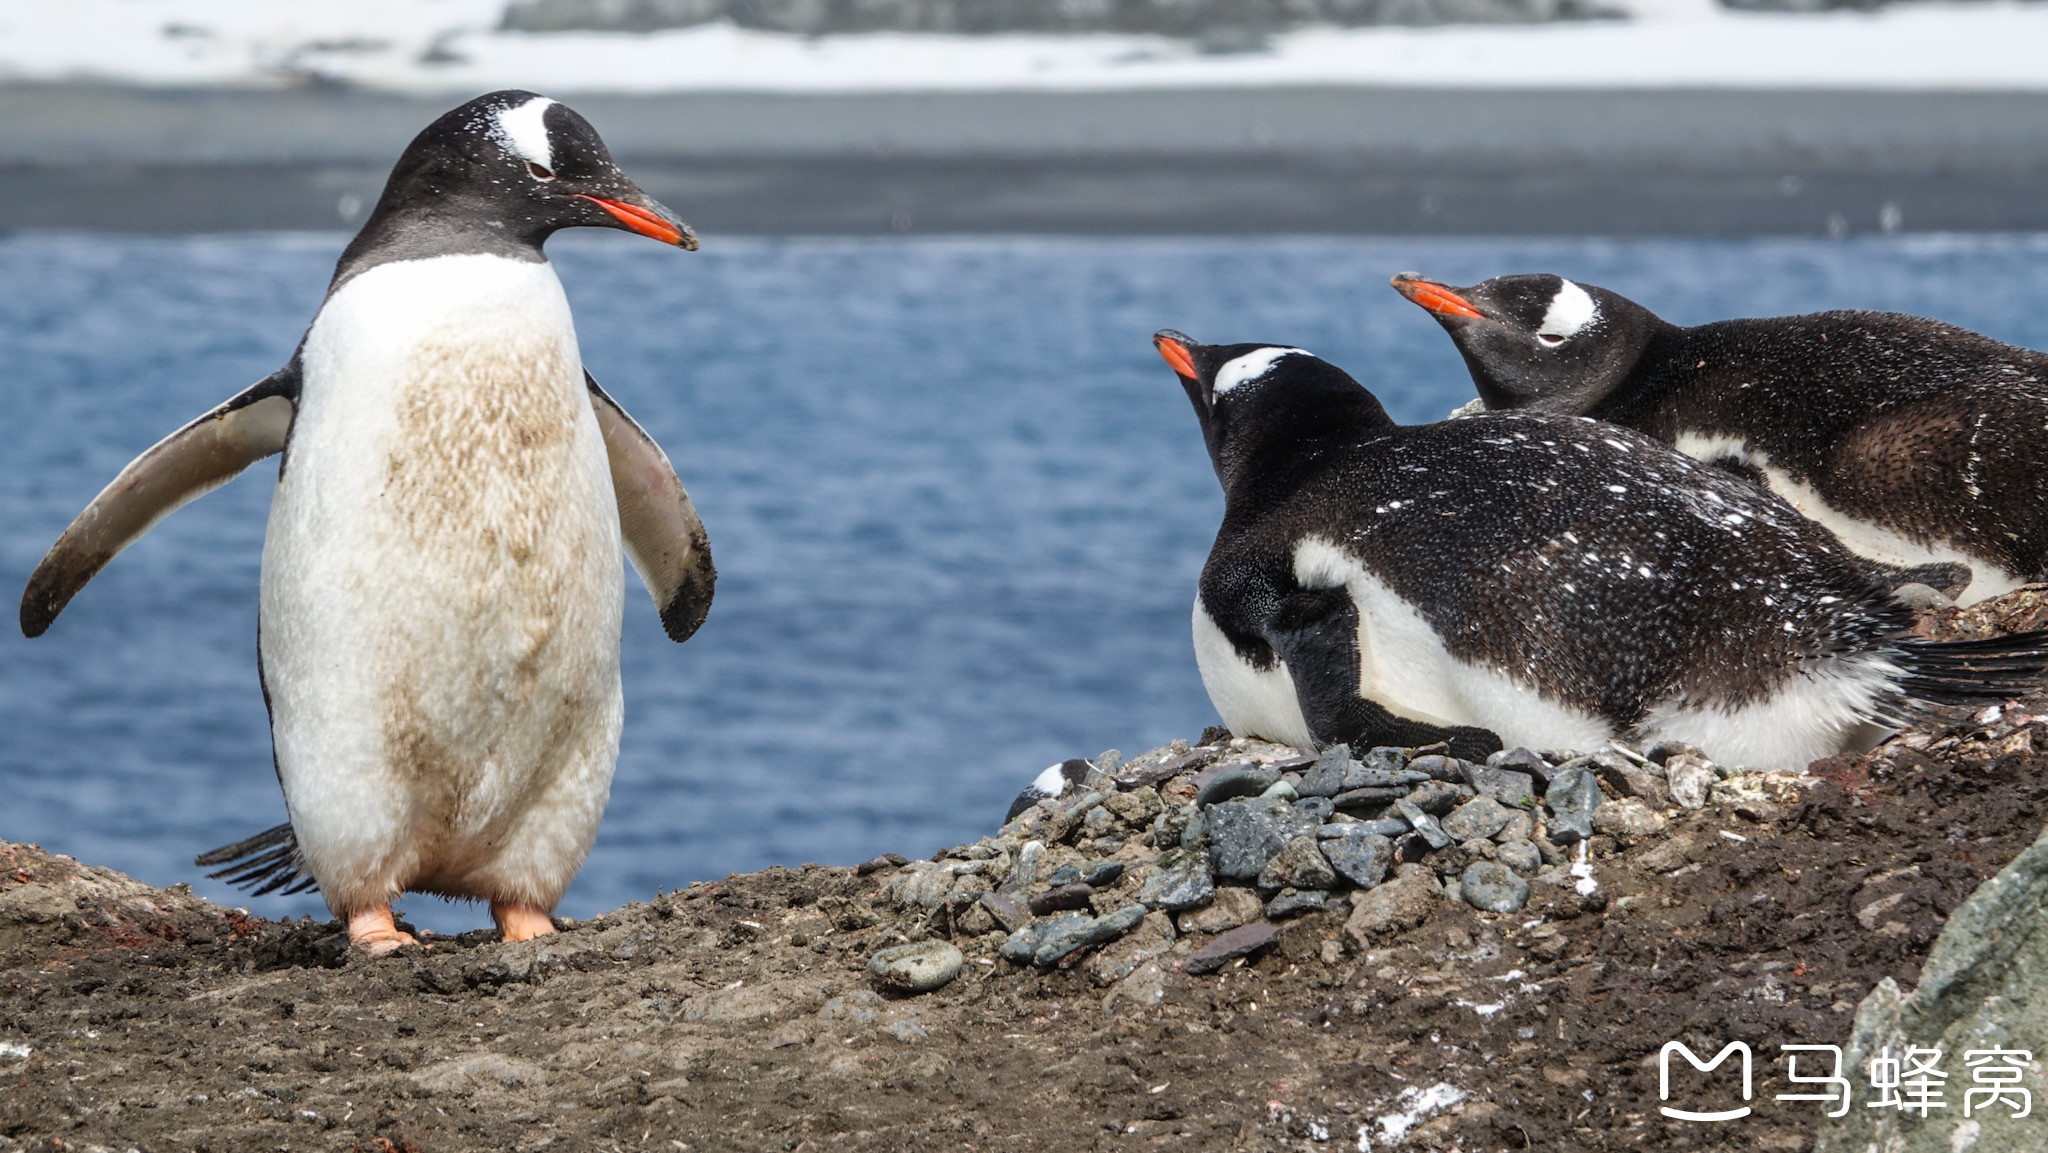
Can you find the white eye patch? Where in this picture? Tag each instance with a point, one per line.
(523, 134)
(1249, 367)
(1570, 310)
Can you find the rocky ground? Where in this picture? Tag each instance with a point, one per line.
(1228, 945)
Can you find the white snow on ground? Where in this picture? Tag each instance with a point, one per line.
(454, 45)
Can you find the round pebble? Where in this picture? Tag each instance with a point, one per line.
(1492, 887)
(918, 967)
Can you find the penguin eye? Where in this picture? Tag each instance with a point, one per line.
(1550, 338)
(538, 172)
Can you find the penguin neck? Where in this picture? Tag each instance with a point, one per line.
(416, 229)
(1290, 435)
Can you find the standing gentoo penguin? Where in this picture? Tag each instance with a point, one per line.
(1553, 580)
(1918, 443)
(439, 624)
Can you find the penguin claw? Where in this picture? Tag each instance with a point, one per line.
(374, 931)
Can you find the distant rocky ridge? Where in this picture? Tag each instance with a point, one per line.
(1220, 23)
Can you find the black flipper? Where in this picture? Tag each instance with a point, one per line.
(189, 463)
(268, 862)
(1315, 631)
(664, 538)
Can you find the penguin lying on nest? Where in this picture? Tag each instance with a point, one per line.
(1549, 581)
(1918, 443)
(439, 621)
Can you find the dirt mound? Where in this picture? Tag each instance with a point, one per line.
(741, 1015)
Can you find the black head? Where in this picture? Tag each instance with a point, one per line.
(1255, 398)
(1538, 341)
(501, 174)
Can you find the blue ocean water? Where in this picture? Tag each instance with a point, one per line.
(957, 505)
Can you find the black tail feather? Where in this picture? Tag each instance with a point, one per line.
(265, 863)
(1979, 672)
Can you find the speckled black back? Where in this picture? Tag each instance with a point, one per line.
(1935, 430)
(1587, 561)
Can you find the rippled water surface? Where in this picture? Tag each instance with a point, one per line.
(957, 505)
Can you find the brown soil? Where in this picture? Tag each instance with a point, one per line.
(737, 1015)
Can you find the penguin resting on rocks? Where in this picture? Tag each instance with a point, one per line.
(1547, 581)
(438, 631)
(1918, 443)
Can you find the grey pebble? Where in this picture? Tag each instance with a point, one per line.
(1439, 768)
(1508, 786)
(1281, 790)
(1385, 827)
(1492, 887)
(1236, 781)
(1064, 875)
(1294, 902)
(1361, 859)
(1092, 931)
(919, 967)
(1572, 797)
(1103, 874)
(1434, 797)
(1022, 945)
(1478, 817)
(1182, 884)
(1521, 856)
(1245, 834)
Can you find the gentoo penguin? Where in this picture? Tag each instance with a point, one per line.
(1548, 581)
(438, 631)
(1918, 443)
(1055, 781)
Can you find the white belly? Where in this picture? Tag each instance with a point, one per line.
(1405, 668)
(442, 589)
(1253, 702)
(1865, 539)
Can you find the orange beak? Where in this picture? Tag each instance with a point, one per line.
(1434, 297)
(1176, 357)
(646, 223)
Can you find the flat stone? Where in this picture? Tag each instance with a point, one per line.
(1360, 858)
(1492, 887)
(1326, 778)
(919, 967)
(1232, 779)
(1481, 816)
(1510, 787)
(1029, 856)
(1401, 903)
(1522, 761)
(1663, 751)
(1294, 902)
(1691, 778)
(1438, 768)
(1064, 875)
(1009, 912)
(1074, 896)
(1245, 834)
(1300, 866)
(1423, 824)
(1319, 808)
(877, 864)
(1373, 796)
(1573, 795)
(1188, 762)
(1184, 883)
(1385, 827)
(1520, 855)
(1103, 874)
(1281, 790)
(1230, 946)
(1232, 907)
(1385, 759)
(1093, 931)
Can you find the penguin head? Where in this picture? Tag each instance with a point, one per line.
(1251, 398)
(519, 166)
(1538, 341)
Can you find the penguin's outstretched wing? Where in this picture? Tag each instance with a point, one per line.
(1315, 633)
(664, 538)
(180, 468)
